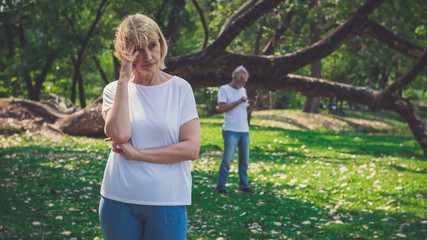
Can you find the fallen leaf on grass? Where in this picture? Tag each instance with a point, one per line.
(66, 233)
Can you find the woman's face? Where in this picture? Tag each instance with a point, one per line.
(148, 59)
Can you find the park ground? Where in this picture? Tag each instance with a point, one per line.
(359, 175)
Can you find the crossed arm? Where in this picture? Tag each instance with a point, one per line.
(186, 149)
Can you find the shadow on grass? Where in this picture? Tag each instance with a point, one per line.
(351, 143)
(209, 147)
(273, 213)
(404, 169)
(280, 211)
(50, 193)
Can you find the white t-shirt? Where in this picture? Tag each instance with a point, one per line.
(156, 114)
(236, 119)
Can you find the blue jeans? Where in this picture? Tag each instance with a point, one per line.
(129, 221)
(232, 140)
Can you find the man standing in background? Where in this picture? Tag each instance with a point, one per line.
(234, 103)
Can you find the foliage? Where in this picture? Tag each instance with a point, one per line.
(208, 99)
(309, 185)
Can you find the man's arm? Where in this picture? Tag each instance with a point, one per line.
(224, 107)
(252, 103)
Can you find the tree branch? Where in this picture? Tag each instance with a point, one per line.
(202, 19)
(159, 13)
(214, 59)
(244, 17)
(242, 10)
(76, 36)
(409, 77)
(101, 71)
(18, 8)
(281, 28)
(173, 21)
(386, 37)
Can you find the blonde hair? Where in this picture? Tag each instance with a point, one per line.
(138, 29)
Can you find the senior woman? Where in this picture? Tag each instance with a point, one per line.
(151, 118)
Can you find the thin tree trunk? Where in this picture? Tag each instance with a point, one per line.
(116, 68)
(173, 23)
(73, 90)
(205, 26)
(81, 90)
(311, 104)
(29, 84)
(101, 71)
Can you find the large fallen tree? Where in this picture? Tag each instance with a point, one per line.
(211, 66)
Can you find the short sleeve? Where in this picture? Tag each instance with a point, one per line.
(188, 107)
(108, 97)
(222, 97)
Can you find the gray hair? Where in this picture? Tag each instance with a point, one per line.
(239, 71)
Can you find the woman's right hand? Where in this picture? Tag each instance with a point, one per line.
(127, 65)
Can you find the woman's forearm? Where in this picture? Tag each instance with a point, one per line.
(181, 151)
(186, 149)
(117, 123)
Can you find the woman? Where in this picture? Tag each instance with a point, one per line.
(151, 118)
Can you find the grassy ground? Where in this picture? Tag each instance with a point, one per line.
(315, 184)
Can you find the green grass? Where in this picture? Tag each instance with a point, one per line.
(309, 185)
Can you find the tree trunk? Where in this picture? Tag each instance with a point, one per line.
(29, 85)
(86, 122)
(74, 90)
(116, 68)
(311, 104)
(28, 109)
(78, 62)
(173, 22)
(251, 94)
(34, 91)
(81, 90)
(101, 71)
(270, 100)
(415, 122)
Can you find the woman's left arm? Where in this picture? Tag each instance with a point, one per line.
(186, 149)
